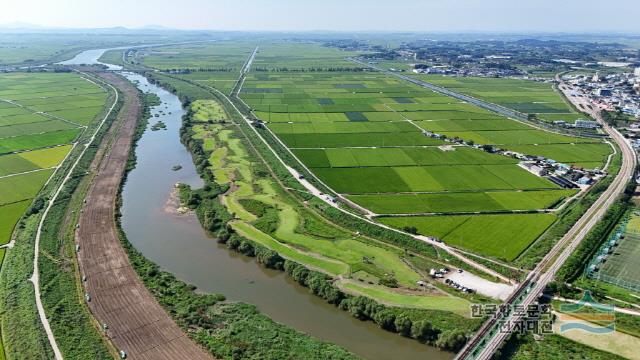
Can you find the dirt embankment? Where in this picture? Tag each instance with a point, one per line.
(135, 322)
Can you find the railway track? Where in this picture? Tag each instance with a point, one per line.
(487, 340)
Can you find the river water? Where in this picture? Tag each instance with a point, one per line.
(179, 245)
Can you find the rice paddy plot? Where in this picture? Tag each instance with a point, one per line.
(471, 125)
(461, 202)
(34, 128)
(362, 180)
(333, 140)
(338, 127)
(32, 160)
(22, 187)
(399, 156)
(522, 95)
(571, 154)
(503, 236)
(82, 116)
(29, 142)
(9, 215)
(516, 137)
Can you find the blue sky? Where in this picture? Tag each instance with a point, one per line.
(340, 15)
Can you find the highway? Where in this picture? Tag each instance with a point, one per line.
(487, 340)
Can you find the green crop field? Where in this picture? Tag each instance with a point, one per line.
(451, 202)
(363, 134)
(501, 236)
(594, 153)
(219, 55)
(297, 56)
(9, 215)
(41, 114)
(216, 64)
(529, 97)
(32, 160)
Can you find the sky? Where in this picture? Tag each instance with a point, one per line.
(340, 15)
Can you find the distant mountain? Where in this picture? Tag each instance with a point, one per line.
(16, 25)
(20, 27)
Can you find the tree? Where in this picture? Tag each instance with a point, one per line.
(388, 281)
(403, 325)
(452, 340)
(410, 229)
(487, 148)
(423, 330)
(385, 319)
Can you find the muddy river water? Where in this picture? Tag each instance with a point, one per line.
(179, 245)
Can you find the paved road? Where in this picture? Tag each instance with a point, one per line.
(243, 72)
(481, 348)
(137, 324)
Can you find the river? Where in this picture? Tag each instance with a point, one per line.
(179, 245)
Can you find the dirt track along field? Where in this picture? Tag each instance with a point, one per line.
(135, 322)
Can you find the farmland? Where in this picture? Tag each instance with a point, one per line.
(28, 164)
(41, 114)
(500, 236)
(529, 97)
(265, 214)
(361, 133)
(216, 64)
(309, 56)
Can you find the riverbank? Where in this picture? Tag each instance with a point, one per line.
(213, 217)
(133, 313)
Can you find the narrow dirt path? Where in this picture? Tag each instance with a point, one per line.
(135, 322)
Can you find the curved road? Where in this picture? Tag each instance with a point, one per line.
(485, 343)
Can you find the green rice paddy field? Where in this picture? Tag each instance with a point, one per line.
(215, 64)
(41, 114)
(526, 96)
(499, 236)
(362, 134)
